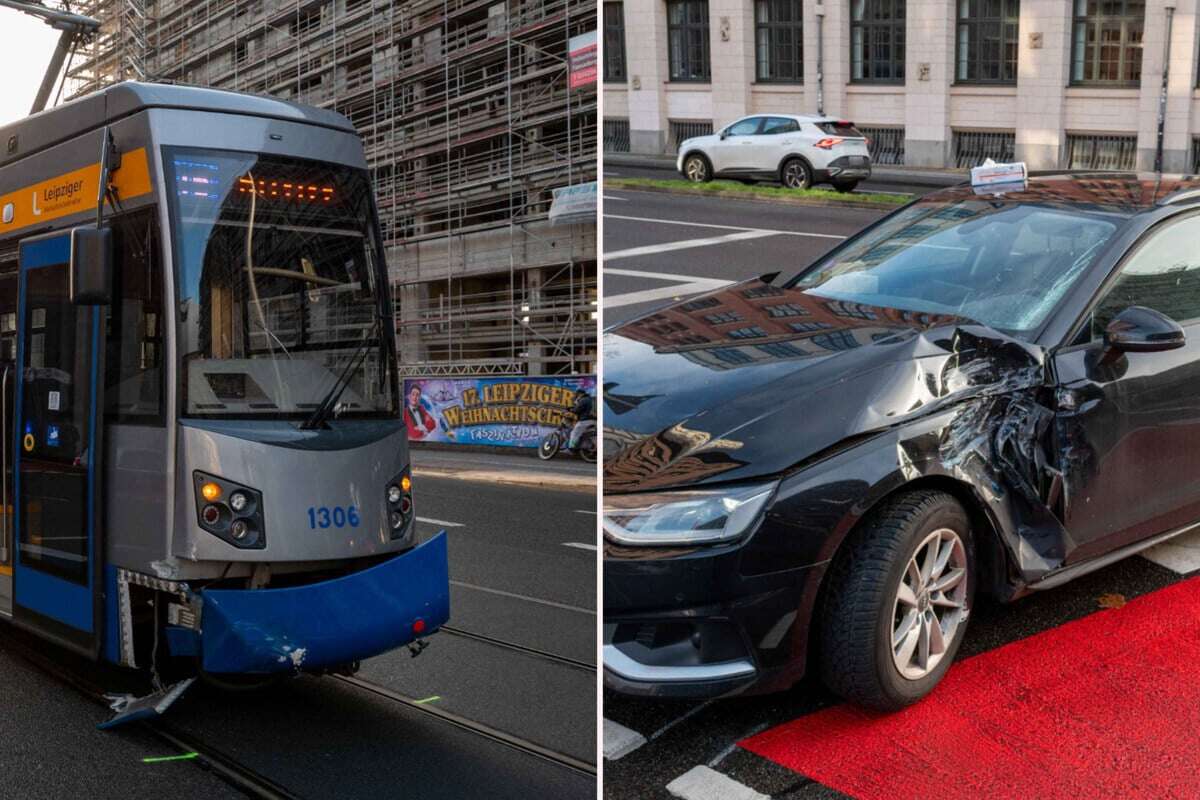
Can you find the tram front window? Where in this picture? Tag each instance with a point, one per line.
(279, 286)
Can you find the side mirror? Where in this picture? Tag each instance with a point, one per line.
(723, 134)
(91, 266)
(1138, 329)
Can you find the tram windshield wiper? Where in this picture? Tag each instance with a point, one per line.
(322, 412)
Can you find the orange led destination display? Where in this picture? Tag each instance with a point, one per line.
(72, 193)
(285, 189)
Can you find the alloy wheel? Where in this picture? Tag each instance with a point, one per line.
(696, 169)
(930, 604)
(795, 175)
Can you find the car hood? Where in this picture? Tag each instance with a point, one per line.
(753, 379)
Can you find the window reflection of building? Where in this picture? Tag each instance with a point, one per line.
(758, 322)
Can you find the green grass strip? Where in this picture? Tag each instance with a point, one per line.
(161, 759)
(758, 190)
(428, 700)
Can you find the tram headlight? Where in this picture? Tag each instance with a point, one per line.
(399, 504)
(230, 511)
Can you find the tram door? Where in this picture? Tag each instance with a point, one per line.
(56, 569)
(8, 380)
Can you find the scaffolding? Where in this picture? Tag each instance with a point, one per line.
(469, 123)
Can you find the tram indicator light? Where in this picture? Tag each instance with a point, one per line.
(406, 483)
(210, 491)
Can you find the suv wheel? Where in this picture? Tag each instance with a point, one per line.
(796, 174)
(898, 601)
(696, 169)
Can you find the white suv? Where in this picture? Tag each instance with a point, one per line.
(797, 151)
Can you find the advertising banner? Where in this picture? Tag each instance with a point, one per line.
(582, 50)
(574, 204)
(511, 411)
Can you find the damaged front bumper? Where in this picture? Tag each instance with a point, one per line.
(330, 623)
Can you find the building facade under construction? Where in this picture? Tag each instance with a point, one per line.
(470, 122)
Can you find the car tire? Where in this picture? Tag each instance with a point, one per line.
(845, 186)
(865, 608)
(795, 174)
(697, 169)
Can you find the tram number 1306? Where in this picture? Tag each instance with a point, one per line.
(336, 517)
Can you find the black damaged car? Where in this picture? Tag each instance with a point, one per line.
(985, 391)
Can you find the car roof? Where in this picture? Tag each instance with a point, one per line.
(1126, 193)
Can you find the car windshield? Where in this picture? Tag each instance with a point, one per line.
(279, 289)
(1000, 264)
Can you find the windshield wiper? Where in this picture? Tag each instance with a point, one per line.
(321, 414)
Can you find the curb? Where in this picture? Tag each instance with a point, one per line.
(561, 482)
(880, 174)
(617, 183)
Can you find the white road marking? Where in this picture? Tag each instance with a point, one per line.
(620, 741)
(581, 511)
(723, 227)
(579, 545)
(525, 597)
(724, 754)
(665, 293)
(704, 783)
(674, 277)
(1181, 554)
(441, 522)
(618, 199)
(685, 244)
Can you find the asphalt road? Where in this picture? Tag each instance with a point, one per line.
(650, 744)
(519, 578)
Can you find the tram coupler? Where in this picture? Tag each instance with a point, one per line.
(417, 646)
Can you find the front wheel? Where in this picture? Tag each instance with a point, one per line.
(549, 446)
(796, 174)
(696, 169)
(898, 600)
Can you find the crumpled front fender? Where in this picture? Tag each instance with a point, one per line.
(328, 623)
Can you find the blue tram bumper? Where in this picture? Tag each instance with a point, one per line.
(329, 623)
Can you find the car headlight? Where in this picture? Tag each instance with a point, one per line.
(691, 517)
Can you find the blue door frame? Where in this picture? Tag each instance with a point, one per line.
(66, 610)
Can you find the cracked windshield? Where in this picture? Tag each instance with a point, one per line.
(279, 287)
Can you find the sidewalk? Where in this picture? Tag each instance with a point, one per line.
(519, 468)
(913, 176)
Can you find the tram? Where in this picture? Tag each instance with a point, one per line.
(203, 457)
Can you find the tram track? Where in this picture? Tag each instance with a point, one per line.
(243, 778)
(555, 658)
(477, 728)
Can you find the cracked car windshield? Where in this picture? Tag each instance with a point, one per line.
(999, 264)
(278, 286)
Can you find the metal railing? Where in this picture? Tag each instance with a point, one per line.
(886, 144)
(616, 136)
(1196, 155)
(683, 129)
(1101, 151)
(972, 148)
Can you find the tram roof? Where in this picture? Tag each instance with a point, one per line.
(112, 103)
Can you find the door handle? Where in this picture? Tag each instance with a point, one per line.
(746, 142)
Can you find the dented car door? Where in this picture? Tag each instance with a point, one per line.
(1128, 423)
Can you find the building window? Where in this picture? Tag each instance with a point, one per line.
(877, 41)
(614, 42)
(972, 148)
(987, 41)
(687, 40)
(680, 130)
(1101, 151)
(1106, 41)
(779, 40)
